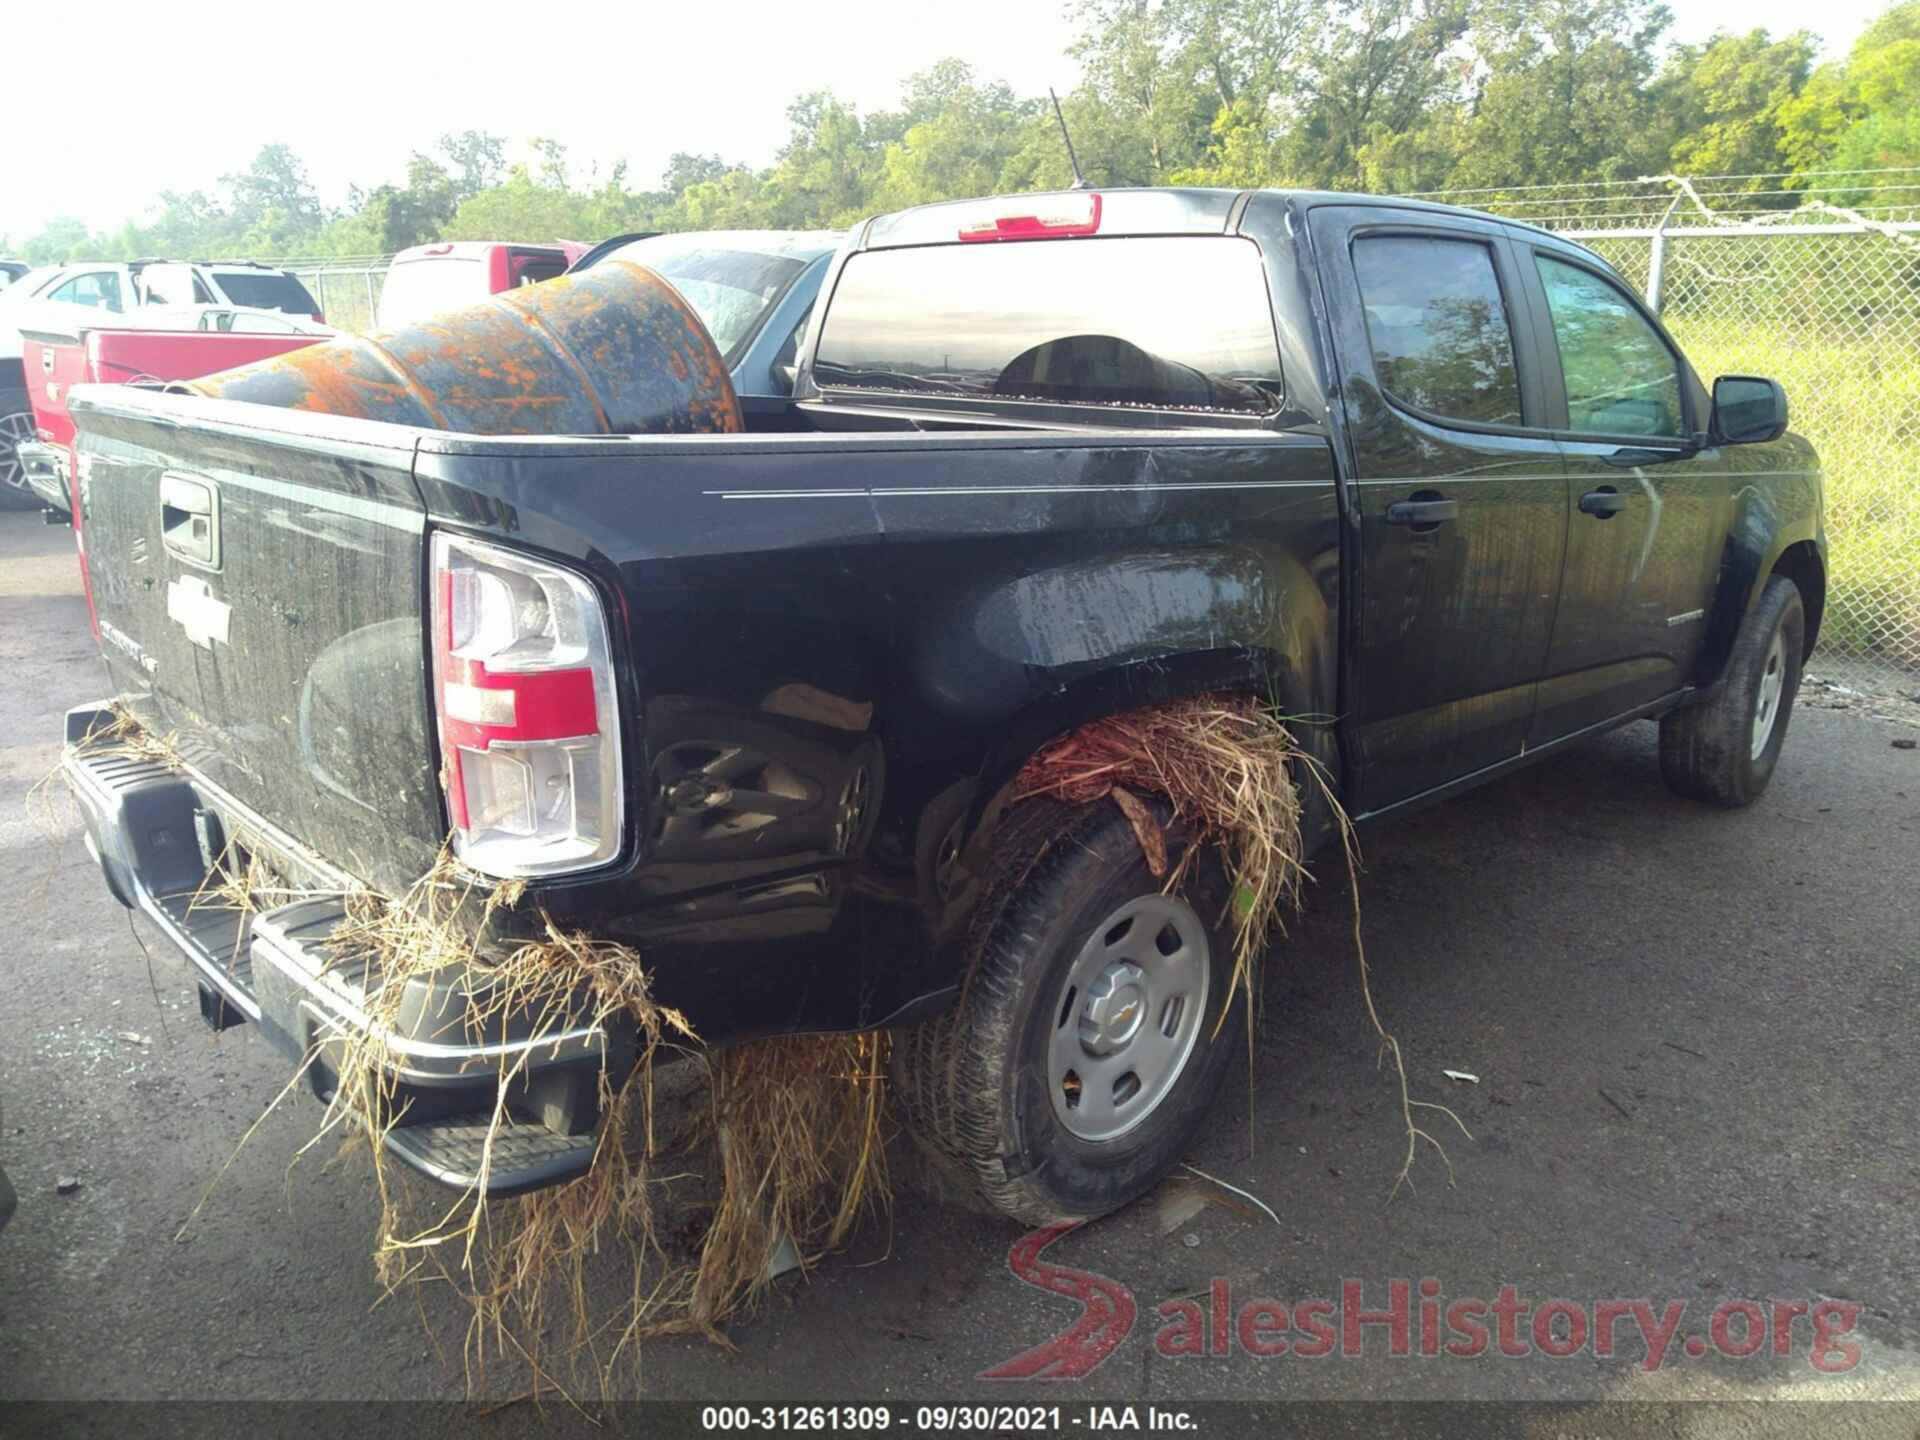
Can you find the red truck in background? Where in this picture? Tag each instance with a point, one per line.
(430, 279)
(54, 364)
(422, 281)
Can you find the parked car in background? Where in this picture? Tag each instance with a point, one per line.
(155, 294)
(16, 414)
(754, 289)
(227, 295)
(12, 270)
(431, 279)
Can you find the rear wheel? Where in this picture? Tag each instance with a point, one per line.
(1725, 750)
(1087, 1044)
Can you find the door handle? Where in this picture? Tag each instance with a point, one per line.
(1422, 514)
(1603, 503)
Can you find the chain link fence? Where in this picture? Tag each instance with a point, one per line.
(1825, 300)
(348, 289)
(1831, 311)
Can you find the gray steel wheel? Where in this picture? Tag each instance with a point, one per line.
(15, 429)
(1128, 1016)
(1092, 1027)
(1724, 748)
(1766, 694)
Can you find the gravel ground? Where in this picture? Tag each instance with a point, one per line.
(1692, 1032)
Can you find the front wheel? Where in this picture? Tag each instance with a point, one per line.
(16, 427)
(1088, 1041)
(1725, 750)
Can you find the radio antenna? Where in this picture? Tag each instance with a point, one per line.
(1079, 180)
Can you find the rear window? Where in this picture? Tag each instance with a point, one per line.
(415, 290)
(266, 290)
(1163, 323)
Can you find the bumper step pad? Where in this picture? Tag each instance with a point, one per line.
(295, 971)
(525, 1157)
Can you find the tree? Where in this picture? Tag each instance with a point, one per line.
(827, 171)
(61, 239)
(188, 225)
(1860, 114)
(1566, 95)
(273, 204)
(1151, 89)
(476, 161)
(959, 140)
(414, 213)
(1372, 69)
(685, 170)
(1724, 101)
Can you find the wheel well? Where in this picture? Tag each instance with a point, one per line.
(1800, 563)
(976, 809)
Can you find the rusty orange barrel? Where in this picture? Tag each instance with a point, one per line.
(614, 350)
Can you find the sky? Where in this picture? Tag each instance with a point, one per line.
(157, 100)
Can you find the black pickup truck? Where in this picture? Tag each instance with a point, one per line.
(1434, 480)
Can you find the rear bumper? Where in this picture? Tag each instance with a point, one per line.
(156, 831)
(44, 469)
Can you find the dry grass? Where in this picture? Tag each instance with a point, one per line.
(1224, 763)
(123, 733)
(792, 1147)
(1232, 772)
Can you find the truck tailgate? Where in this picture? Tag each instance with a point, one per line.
(258, 579)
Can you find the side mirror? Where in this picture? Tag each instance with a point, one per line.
(784, 376)
(1747, 408)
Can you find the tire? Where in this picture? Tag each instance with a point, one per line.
(1059, 975)
(1725, 750)
(16, 424)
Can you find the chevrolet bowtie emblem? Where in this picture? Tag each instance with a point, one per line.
(192, 603)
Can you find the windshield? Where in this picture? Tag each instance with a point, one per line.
(416, 290)
(732, 289)
(266, 290)
(29, 283)
(1165, 323)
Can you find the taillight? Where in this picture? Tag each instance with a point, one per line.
(529, 729)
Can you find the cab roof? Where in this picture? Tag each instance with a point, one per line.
(1131, 210)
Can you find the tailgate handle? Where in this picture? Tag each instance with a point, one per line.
(190, 519)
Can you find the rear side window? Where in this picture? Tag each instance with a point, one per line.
(1164, 323)
(1621, 378)
(532, 269)
(98, 288)
(266, 290)
(1438, 326)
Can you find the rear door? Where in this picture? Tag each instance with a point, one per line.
(1461, 495)
(1648, 500)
